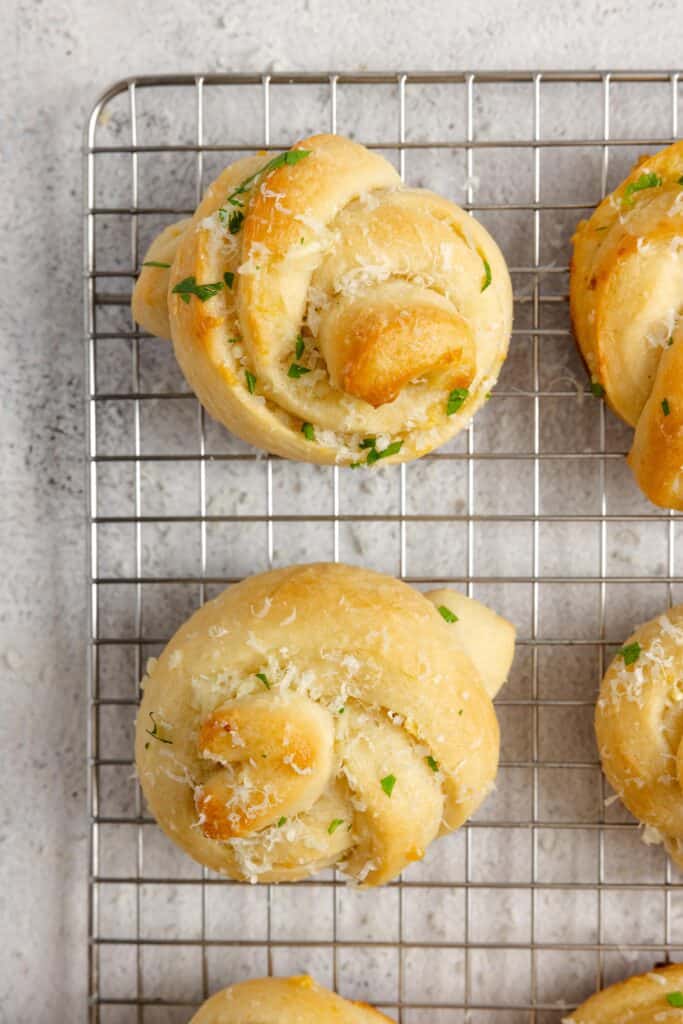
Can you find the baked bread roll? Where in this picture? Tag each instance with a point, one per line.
(626, 295)
(323, 312)
(322, 715)
(283, 1001)
(639, 725)
(644, 999)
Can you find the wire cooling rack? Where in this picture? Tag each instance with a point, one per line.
(550, 892)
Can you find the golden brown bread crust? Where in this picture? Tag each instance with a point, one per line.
(389, 298)
(638, 1000)
(639, 727)
(273, 724)
(150, 295)
(626, 297)
(298, 1000)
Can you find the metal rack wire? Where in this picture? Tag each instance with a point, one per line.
(549, 893)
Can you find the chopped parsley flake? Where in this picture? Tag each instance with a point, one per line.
(392, 449)
(296, 370)
(281, 821)
(666, 408)
(299, 346)
(233, 341)
(433, 764)
(188, 287)
(342, 710)
(264, 679)
(334, 825)
(651, 180)
(597, 389)
(670, 341)
(447, 614)
(292, 156)
(368, 442)
(487, 275)
(154, 731)
(229, 278)
(630, 653)
(235, 221)
(675, 998)
(308, 431)
(680, 180)
(251, 382)
(388, 783)
(156, 263)
(456, 400)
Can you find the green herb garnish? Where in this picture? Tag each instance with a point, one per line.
(388, 783)
(229, 278)
(299, 346)
(308, 431)
(292, 156)
(446, 613)
(651, 180)
(264, 679)
(392, 449)
(235, 221)
(334, 825)
(597, 389)
(456, 400)
(675, 998)
(487, 275)
(680, 180)
(342, 710)
(281, 821)
(434, 765)
(188, 287)
(156, 263)
(368, 442)
(251, 382)
(630, 653)
(296, 370)
(154, 731)
(670, 341)
(666, 408)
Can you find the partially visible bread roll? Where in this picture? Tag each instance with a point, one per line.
(639, 726)
(322, 715)
(324, 312)
(626, 293)
(652, 998)
(296, 1000)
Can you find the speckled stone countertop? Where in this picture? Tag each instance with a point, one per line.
(55, 60)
